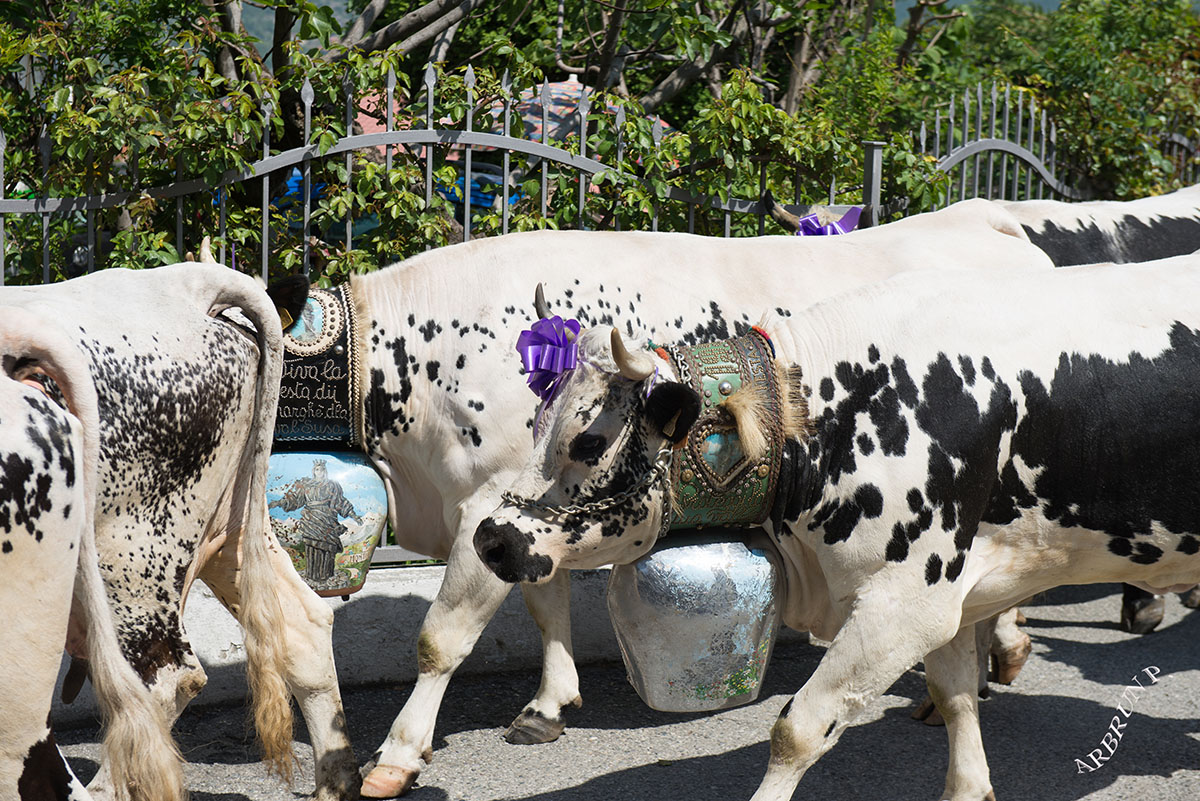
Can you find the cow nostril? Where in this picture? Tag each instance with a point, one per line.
(495, 554)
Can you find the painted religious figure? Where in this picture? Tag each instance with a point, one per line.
(320, 526)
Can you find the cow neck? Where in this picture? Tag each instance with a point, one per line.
(713, 482)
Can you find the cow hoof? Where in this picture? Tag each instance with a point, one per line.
(532, 728)
(928, 713)
(1192, 599)
(338, 778)
(1143, 617)
(1007, 663)
(388, 781)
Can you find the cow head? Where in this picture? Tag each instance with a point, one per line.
(595, 488)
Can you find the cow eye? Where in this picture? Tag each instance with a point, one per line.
(587, 446)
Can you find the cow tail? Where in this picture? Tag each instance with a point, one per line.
(260, 614)
(142, 760)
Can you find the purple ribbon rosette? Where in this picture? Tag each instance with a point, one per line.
(548, 350)
(809, 225)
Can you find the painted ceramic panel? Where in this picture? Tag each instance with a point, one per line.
(328, 510)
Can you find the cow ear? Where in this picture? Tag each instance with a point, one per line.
(289, 296)
(672, 409)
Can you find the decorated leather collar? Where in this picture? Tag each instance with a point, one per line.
(319, 402)
(714, 483)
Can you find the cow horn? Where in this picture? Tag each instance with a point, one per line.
(785, 218)
(543, 311)
(539, 303)
(206, 256)
(634, 367)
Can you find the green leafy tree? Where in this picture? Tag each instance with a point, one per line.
(115, 96)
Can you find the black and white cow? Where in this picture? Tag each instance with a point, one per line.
(957, 443)
(48, 457)
(1098, 231)
(443, 430)
(449, 432)
(1112, 231)
(187, 399)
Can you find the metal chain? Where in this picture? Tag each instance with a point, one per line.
(662, 461)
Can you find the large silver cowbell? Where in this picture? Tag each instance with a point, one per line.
(696, 619)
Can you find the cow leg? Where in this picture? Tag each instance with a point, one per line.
(1009, 648)
(1141, 611)
(952, 674)
(467, 600)
(865, 658)
(541, 721)
(172, 685)
(985, 638)
(985, 632)
(311, 674)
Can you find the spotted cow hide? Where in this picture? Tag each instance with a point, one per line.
(976, 438)
(48, 457)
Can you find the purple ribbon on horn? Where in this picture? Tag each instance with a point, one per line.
(548, 351)
(809, 225)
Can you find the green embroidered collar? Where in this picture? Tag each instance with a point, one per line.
(713, 482)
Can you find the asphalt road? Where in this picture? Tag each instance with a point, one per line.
(616, 748)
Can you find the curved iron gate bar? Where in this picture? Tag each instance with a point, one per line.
(960, 154)
(424, 136)
(297, 155)
(1182, 141)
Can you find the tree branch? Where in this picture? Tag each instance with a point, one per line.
(686, 74)
(429, 20)
(364, 21)
(916, 25)
(559, 14)
(441, 45)
(609, 47)
(426, 34)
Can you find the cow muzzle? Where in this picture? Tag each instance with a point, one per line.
(505, 549)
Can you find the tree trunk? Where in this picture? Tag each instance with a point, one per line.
(284, 20)
(608, 49)
(229, 17)
(441, 45)
(796, 78)
(911, 32)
